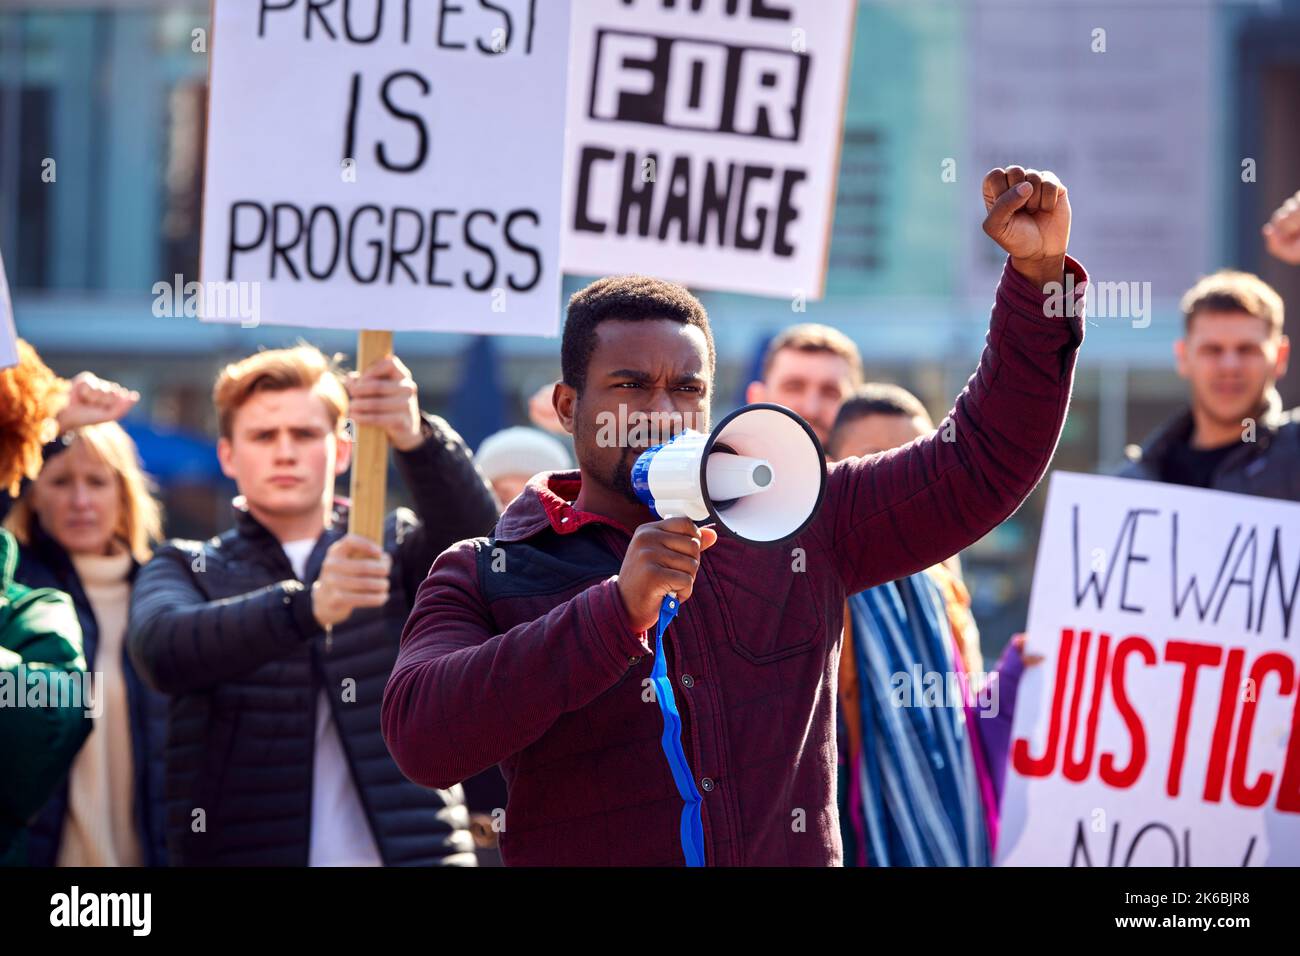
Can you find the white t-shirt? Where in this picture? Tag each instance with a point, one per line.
(340, 833)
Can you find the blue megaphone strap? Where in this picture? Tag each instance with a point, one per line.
(692, 826)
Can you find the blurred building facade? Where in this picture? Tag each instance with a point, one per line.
(1177, 139)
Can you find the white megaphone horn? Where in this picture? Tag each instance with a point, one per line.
(760, 475)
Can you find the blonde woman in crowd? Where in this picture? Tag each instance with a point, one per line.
(85, 525)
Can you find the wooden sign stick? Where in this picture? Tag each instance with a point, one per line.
(369, 452)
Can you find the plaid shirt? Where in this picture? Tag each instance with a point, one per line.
(519, 651)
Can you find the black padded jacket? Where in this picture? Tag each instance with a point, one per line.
(1267, 463)
(226, 629)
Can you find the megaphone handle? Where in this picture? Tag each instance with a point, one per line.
(669, 606)
(667, 610)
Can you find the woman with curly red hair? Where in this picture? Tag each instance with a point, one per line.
(85, 525)
(40, 639)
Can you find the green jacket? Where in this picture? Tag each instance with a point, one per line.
(42, 724)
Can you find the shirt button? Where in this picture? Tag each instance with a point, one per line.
(706, 784)
(564, 520)
(688, 680)
(634, 660)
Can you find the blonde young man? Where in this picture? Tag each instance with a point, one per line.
(275, 639)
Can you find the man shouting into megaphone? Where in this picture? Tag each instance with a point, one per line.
(532, 648)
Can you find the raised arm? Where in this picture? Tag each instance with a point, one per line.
(894, 514)
(181, 642)
(463, 697)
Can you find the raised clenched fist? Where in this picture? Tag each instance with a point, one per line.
(1029, 216)
(92, 400)
(1282, 231)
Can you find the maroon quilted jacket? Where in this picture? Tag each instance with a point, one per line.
(519, 651)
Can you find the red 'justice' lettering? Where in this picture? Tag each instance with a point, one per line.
(1104, 684)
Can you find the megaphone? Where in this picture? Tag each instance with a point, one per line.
(760, 475)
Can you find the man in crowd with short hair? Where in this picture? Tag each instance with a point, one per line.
(1234, 435)
(810, 369)
(275, 639)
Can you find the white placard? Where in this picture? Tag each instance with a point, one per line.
(703, 145)
(1178, 743)
(382, 166)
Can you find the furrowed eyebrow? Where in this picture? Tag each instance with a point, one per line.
(693, 378)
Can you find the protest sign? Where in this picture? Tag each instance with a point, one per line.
(704, 140)
(1163, 727)
(385, 165)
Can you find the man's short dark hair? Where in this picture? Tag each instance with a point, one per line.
(815, 337)
(1230, 291)
(877, 398)
(627, 299)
